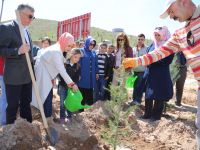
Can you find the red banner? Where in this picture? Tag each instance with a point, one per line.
(78, 26)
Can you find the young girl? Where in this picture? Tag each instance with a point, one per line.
(73, 70)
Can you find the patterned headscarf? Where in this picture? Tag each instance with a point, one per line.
(164, 33)
(66, 39)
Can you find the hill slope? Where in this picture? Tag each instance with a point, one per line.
(42, 27)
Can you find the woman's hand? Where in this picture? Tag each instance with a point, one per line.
(73, 86)
(97, 76)
(53, 82)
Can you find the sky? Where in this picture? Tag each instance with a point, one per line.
(134, 16)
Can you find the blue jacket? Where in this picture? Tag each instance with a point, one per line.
(89, 66)
(159, 85)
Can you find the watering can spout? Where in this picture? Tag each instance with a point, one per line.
(85, 106)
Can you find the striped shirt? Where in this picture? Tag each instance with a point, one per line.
(102, 64)
(187, 40)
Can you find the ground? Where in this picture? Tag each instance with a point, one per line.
(176, 129)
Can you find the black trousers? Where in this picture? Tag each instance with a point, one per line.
(18, 96)
(48, 104)
(180, 84)
(139, 87)
(153, 108)
(88, 97)
(107, 92)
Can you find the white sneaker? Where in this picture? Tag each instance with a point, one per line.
(197, 124)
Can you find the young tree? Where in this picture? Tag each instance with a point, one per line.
(115, 107)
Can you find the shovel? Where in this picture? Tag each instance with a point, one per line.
(52, 134)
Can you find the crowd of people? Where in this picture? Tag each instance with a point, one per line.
(81, 66)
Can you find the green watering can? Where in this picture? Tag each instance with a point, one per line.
(73, 101)
(130, 81)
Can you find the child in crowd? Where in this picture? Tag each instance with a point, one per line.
(103, 66)
(111, 60)
(73, 70)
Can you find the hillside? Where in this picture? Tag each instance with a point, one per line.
(42, 27)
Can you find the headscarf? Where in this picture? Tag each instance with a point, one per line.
(87, 43)
(66, 39)
(164, 33)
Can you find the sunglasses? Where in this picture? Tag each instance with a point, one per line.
(158, 28)
(156, 34)
(190, 38)
(31, 17)
(120, 39)
(91, 44)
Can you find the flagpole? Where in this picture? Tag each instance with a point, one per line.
(1, 10)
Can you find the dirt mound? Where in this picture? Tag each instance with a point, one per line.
(168, 133)
(21, 135)
(77, 134)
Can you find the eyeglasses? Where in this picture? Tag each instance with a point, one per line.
(91, 44)
(190, 38)
(156, 34)
(31, 17)
(158, 28)
(120, 39)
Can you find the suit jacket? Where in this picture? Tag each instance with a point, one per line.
(16, 69)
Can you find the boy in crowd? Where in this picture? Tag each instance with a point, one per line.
(103, 66)
(111, 60)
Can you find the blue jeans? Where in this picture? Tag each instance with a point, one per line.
(62, 91)
(3, 102)
(100, 90)
(139, 87)
(48, 104)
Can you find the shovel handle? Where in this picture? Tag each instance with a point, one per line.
(38, 98)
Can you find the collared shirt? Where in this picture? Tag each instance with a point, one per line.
(137, 53)
(194, 16)
(179, 42)
(26, 33)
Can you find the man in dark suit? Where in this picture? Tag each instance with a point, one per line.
(16, 74)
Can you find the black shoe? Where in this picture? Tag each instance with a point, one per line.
(178, 104)
(154, 119)
(145, 117)
(133, 103)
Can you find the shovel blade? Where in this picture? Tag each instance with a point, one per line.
(52, 135)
